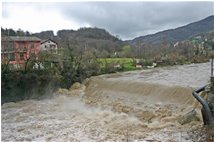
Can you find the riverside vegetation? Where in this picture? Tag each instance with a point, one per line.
(76, 62)
(38, 83)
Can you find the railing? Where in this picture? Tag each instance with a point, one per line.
(212, 67)
(206, 112)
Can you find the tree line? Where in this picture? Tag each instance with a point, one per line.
(78, 59)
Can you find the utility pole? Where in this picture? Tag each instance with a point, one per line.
(212, 54)
(212, 77)
(212, 67)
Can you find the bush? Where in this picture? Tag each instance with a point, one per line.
(145, 62)
(17, 86)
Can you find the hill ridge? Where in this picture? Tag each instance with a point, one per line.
(178, 34)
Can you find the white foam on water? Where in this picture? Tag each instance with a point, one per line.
(133, 106)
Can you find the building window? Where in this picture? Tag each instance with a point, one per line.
(10, 47)
(21, 46)
(32, 45)
(11, 56)
(21, 56)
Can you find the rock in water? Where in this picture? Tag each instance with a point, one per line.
(76, 85)
(86, 82)
(62, 91)
(188, 117)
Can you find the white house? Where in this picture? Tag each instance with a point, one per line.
(49, 45)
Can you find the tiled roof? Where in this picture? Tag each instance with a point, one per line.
(21, 38)
(43, 41)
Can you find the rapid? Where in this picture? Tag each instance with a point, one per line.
(139, 105)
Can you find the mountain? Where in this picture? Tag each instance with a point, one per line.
(104, 44)
(45, 34)
(178, 34)
(87, 33)
(96, 39)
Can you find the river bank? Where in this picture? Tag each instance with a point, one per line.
(39, 84)
(17, 85)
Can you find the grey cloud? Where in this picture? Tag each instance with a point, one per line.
(131, 19)
(128, 19)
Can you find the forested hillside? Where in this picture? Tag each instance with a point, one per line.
(178, 34)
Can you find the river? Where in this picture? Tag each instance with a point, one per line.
(132, 106)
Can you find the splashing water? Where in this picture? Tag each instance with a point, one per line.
(132, 106)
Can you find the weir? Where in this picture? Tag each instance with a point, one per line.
(126, 106)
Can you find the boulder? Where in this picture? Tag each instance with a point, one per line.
(86, 82)
(188, 117)
(75, 86)
(62, 91)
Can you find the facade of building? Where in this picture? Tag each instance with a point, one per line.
(49, 46)
(18, 49)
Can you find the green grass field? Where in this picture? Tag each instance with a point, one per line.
(126, 63)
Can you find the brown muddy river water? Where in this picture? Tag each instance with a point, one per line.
(132, 106)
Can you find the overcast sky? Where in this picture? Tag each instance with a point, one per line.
(125, 19)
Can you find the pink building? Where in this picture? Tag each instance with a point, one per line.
(17, 49)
